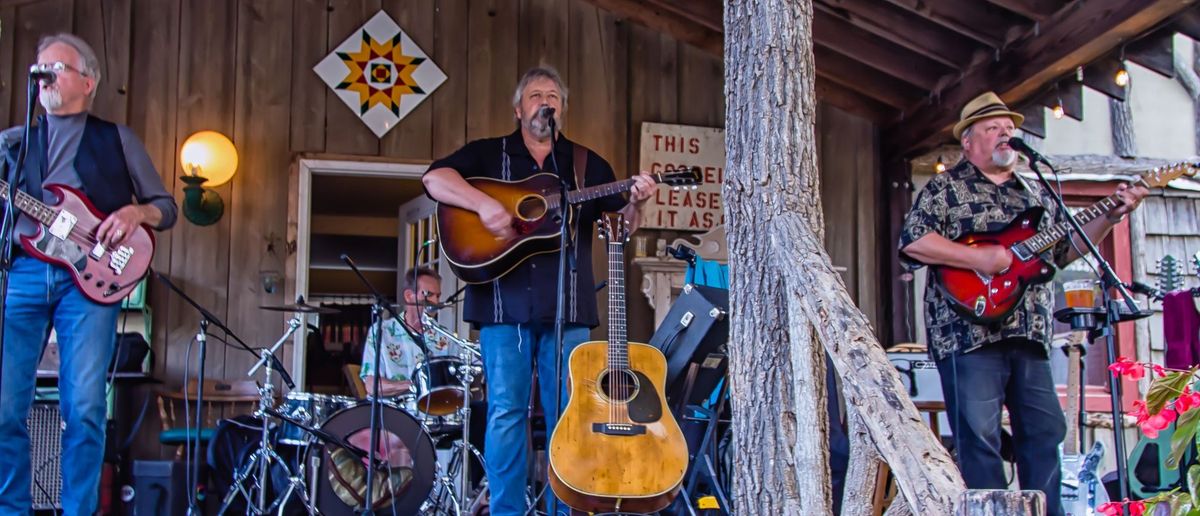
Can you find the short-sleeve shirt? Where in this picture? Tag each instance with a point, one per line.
(962, 201)
(527, 293)
(400, 354)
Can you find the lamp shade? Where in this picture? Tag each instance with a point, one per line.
(213, 153)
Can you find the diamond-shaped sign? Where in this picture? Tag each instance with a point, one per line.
(380, 73)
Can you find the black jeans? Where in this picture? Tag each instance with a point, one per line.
(1015, 374)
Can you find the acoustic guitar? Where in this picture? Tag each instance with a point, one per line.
(617, 448)
(984, 299)
(477, 256)
(66, 237)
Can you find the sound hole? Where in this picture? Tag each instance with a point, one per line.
(531, 207)
(619, 386)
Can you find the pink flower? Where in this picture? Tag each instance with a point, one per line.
(1137, 507)
(1157, 422)
(1159, 370)
(1125, 366)
(1110, 508)
(1187, 401)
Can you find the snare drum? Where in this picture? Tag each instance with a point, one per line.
(310, 409)
(440, 392)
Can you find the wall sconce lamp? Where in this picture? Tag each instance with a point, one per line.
(209, 160)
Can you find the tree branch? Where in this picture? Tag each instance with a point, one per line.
(862, 475)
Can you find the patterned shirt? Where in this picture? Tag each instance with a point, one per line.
(961, 201)
(400, 354)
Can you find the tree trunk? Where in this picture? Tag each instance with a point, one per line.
(862, 475)
(776, 367)
(1121, 118)
(786, 300)
(988, 502)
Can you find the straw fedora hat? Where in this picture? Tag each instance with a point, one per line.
(984, 106)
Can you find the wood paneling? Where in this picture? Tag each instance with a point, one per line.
(491, 67)
(412, 137)
(310, 44)
(344, 133)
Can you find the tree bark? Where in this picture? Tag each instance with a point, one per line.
(1002, 503)
(1121, 120)
(787, 302)
(862, 475)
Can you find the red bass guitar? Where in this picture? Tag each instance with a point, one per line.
(984, 299)
(66, 237)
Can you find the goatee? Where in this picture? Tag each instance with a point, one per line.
(50, 99)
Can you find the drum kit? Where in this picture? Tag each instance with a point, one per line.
(423, 452)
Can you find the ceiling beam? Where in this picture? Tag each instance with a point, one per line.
(1070, 93)
(1188, 23)
(1036, 10)
(852, 102)
(662, 20)
(903, 64)
(1156, 52)
(868, 81)
(1071, 38)
(918, 34)
(1035, 119)
(1100, 75)
(980, 21)
(708, 13)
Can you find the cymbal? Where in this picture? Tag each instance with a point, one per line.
(301, 308)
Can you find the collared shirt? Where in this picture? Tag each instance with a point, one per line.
(400, 354)
(962, 201)
(527, 293)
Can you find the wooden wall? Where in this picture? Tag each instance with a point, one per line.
(244, 67)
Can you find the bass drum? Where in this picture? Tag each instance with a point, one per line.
(340, 476)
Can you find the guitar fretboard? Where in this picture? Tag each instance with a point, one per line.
(618, 343)
(1044, 240)
(29, 205)
(591, 192)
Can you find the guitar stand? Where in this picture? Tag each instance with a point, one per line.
(707, 450)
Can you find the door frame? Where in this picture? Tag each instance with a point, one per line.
(300, 216)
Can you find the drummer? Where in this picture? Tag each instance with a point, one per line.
(400, 354)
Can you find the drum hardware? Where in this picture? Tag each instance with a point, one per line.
(466, 376)
(300, 307)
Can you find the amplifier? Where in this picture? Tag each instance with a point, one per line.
(45, 455)
(159, 487)
(919, 375)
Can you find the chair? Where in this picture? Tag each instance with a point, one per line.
(355, 381)
(222, 400)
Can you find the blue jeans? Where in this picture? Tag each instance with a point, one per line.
(1015, 374)
(40, 294)
(509, 353)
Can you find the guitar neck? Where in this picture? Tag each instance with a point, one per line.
(1044, 240)
(1071, 443)
(29, 206)
(618, 343)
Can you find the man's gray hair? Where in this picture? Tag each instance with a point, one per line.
(540, 72)
(89, 64)
(966, 132)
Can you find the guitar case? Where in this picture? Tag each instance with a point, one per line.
(696, 326)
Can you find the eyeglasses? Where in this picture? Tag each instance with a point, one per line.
(59, 67)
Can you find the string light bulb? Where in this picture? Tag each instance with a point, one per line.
(1122, 76)
(940, 166)
(1058, 110)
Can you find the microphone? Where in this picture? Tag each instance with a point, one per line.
(1034, 156)
(42, 73)
(545, 113)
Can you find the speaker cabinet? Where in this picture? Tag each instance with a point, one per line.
(159, 487)
(45, 455)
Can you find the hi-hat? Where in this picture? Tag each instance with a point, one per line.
(300, 307)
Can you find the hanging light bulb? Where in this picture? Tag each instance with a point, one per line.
(1122, 76)
(1058, 110)
(940, 166)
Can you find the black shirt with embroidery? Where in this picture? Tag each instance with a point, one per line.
(527, 294)
(962, 201)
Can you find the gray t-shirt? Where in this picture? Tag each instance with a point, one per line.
(64, 134)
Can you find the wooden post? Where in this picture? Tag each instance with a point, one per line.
(989, 502)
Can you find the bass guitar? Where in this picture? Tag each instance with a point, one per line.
(984, 299)
(66, 236)
(1082, 491)
(617, 448)
(477, 256)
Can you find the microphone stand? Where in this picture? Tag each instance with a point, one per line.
(1109, 280)
(560, 314)
(377, 308)
(8, 224)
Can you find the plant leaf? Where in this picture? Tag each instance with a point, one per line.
(1166, 389)
(1181, 439)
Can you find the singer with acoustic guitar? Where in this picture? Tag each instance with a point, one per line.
(103, 193)
(1005, 362)
(515, 313)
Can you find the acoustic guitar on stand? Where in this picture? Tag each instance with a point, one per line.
(477, 256)
(617, 448)
(66, 236)
(985, 299)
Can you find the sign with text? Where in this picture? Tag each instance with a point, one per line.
(667, 146)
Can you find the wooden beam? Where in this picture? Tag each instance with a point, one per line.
(980, 21)
(1156, 52)
(919, 34)
(708, 13)
(1099, 75)
(1188, 23)
(1036, 10)
(1073, 37)
(1070, 93)
(903, 64)
(662, 20)
(1035, 119)
(863, 79)
(853, 102)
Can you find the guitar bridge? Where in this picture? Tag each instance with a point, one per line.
(120, 258)
(618, 429)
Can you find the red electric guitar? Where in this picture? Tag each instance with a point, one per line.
(66, 237)
(988, 299)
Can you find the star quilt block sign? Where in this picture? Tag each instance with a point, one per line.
(380, 73)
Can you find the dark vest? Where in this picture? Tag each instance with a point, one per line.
(100, 163)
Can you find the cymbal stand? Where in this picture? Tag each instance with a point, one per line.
(466, 375)
(265, 454)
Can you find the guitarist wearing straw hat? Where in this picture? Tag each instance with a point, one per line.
(985, 368)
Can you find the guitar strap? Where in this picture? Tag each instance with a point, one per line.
(579, 163)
